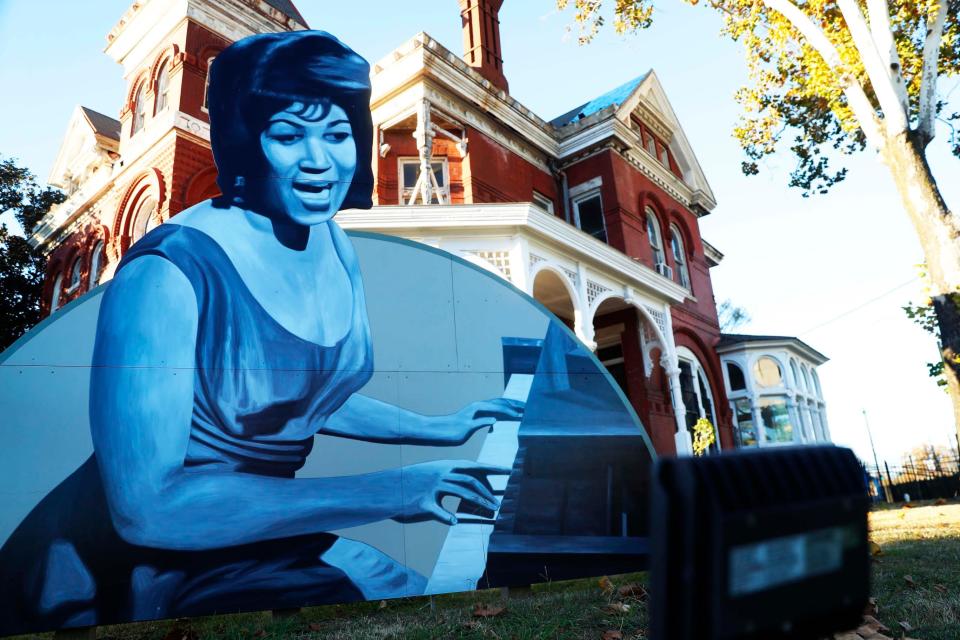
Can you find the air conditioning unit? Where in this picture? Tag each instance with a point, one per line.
(665, 270)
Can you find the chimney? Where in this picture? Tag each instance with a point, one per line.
(481, 39)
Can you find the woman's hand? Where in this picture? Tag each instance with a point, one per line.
(456, 428)
(424, 485)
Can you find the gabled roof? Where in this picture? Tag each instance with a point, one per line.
(732, 340)
(613, 97)
(102, 125)
(286, 6)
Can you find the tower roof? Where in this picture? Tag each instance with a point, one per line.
(615, 96)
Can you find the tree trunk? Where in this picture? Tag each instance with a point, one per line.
(939, 232)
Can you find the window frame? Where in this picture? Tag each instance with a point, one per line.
(139, 109)
(679, 261)
(75, 274)
(575, 202)
(162, 87)
(656, 248)
(96, 265)
(206, 86)
(406, 192)
(543, 202)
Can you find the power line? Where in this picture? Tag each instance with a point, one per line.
(860, 306)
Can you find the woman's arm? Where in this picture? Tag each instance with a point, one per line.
(141, 402)
(363, 418)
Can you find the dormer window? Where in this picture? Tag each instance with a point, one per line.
(410, 173)
(588, 214)
(163, 86)
(139, 110)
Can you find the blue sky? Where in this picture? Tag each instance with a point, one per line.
(833, 270)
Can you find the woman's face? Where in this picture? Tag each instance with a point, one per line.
(310, 161)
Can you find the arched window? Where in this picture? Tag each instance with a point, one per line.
(696, 393)
(144, 219)
(653, 233)
(679, 258)
(206, 83)
(767, 372)
(96, 266)
(55, 297)
(816, 383)
(163, 86)
(139, 110)
(737, 380)
(797, 382)
(75, 269)
(807, 387)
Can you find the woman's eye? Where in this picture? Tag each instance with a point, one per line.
(337, 136)
(286, 138)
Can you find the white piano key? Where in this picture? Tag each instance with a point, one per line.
(463, 556)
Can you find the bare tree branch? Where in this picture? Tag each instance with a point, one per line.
(894, 116)
(879, 13)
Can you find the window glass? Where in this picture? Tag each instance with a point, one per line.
(806, 379)
(688, 394)
(543, 202)
(144, 220)
(796, 373)
(776, 419)
(138, 111)
(206, 83)
(75, 274)
(664, 157)
(767, 372)
(55, 297)
(589, 216)
(653, 233)
(96, 266)
(163, 82)
(737, 381)
(679, 258)
(816, 382)
(410, 171)
(746, 431)
(651, 145)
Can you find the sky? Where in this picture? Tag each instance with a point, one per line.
(834, 270)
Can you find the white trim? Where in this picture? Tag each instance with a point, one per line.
(588, 185)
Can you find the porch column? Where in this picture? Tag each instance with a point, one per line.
(424, 135)
(682, 437)
(796, 421)
(758, 420)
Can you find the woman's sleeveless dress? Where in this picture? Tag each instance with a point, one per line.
(260, 395)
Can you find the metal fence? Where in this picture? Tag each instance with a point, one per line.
(930, 477)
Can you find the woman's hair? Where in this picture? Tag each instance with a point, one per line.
(258, 76)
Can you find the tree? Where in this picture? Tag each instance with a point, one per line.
(833, 77)
(21, 265)
(731, 316)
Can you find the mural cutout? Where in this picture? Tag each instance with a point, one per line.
(279, 414)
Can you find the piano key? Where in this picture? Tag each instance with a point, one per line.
(463, 557)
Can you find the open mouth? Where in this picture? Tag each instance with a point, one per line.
(312, 187)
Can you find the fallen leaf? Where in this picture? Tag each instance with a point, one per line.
(383, 604)
(866, 630)
(875, 549)
(907, 505)
(632, 590)
(605, 585)
(482, 610)
(902, 515)
(612, 634)
(871, 609)
(260, 633)
(849, 635)
(905, 625)
(315, 626)
(940, 587)
(910, 581)
(940, 502)
(617, 607)
(873, 622)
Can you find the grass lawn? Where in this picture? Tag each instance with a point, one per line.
(916, 581)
